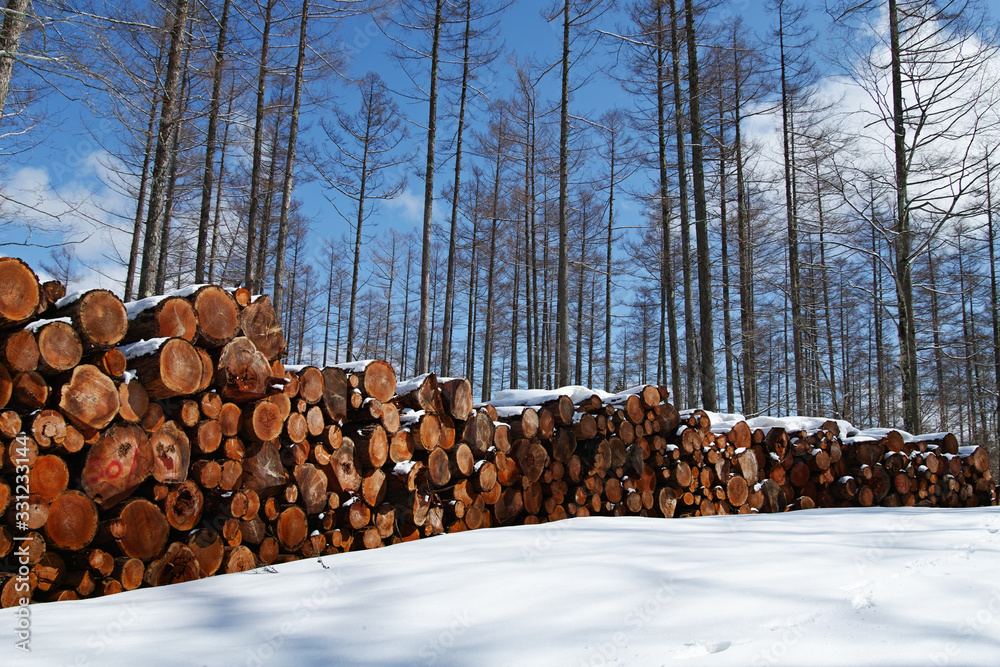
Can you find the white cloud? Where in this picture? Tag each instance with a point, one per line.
(408, 208)
(81, 210)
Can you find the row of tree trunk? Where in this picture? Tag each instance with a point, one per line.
(163, 441)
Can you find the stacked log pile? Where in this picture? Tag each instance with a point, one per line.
(163, 441)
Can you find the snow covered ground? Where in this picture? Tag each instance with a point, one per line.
(872, 586)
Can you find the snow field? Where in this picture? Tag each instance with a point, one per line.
(871, 586)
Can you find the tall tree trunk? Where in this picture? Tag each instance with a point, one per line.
(423, 359)
(904, 263)
(267, 208)
(667, 314)
(213, 122)
(406, 310)
(388, 299)
(449, 290)
(562, 280)
(14, 21)
(745, 242)
(529, 205)
(536, 349)
(329, 307)
(838, 410)
(249, 279)
(936, 339)
(434, 301)
(724, 240)
(168, 208)
(967, 339)
(708, 394)
(286, 186)
(217, 216)
(590, 337)
(133, 258)
(690, 344)
(470, 332)
(993, 293)
(161, 160)
(547, 309)
(879, 344)
(792, 219)
(579, 300)
(514, 315)
(490, 284)
(607, 271)
(784, 334)
(362, 191)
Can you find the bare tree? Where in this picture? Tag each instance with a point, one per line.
(930, 84)
(364, 165)
(168, 118)
(61, 266)
(576, 15)
(210, 141)
(286, 186)
(15, 16)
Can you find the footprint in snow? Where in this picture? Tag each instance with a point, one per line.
(702, 648)
(862, 600)
(791, 622)
(861, 595)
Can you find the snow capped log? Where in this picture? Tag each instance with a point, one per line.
(98, 316)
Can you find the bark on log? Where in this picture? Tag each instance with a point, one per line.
(208, 548)
(344, 477)
(336, 388)
(156, 317)
(263, 471)
(133, 400)
(260, 324)
(6, 387)
(30, 390)
(172, 369)
(420, 393)
(312, 484)
(456, 394)
(177, 565)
